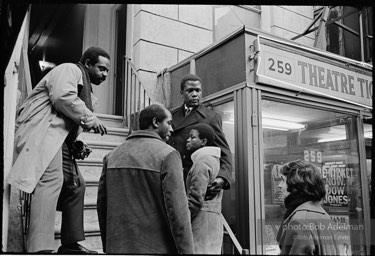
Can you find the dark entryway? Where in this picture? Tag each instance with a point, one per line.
(120, 52)
(55, 35)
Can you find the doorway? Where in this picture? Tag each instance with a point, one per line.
(56, 36)
(120, 53)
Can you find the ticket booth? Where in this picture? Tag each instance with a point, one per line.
(281, 101)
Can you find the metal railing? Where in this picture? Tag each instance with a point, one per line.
(236, 243)
(25, 88)
(136, 97)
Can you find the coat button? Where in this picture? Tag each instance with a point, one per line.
(184, 157)
(27, 150)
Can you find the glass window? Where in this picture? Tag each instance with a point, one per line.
(347, 42)
(226, 111)
(367, 131)
(330, 141)
(367, 24)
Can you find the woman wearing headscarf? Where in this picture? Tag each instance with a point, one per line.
(306, 228)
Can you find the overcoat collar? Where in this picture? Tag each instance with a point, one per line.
(179, 120)
(144, 133)
(307, 206)
(209, 150)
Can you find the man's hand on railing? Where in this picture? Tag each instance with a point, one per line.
(99, 128)
(92, 122)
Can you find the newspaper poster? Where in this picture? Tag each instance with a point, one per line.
(337, 176)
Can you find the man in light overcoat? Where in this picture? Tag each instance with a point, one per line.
(49, 120)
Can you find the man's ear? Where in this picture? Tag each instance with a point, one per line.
(204, 142)
(87, 63)
(155, 123)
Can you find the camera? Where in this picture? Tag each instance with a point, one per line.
(80, 150)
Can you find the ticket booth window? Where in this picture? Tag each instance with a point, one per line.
(330, 141)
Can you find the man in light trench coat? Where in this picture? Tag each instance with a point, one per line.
(57, 110)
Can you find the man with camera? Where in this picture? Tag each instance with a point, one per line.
(47, 126)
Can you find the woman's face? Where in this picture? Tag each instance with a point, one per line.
(283, 187)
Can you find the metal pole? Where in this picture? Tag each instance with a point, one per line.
(126, 90)
(232, 236)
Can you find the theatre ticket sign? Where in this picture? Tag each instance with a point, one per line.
(299, 69)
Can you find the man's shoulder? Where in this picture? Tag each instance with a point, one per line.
(166, 152)
(175, 110)
(151, 143)
(208, 111)
(167, 149)
(67, 67)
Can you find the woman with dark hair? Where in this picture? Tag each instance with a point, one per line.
(306, 229)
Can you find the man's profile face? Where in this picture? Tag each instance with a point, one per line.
(192, 93)
(165, 127)
(98, 72)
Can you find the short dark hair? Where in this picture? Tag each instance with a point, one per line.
(189, 77)
(147, 115)
(205, 132)
(304, 177)
(92, 54)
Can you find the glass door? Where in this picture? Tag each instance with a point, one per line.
(330, 141)
(226, 110)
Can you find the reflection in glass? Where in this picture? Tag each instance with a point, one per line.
(226, 111)
(367, 131)
(330, 141)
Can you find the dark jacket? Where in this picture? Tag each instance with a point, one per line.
(181, 130)
(309, 231)
(142, 205)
